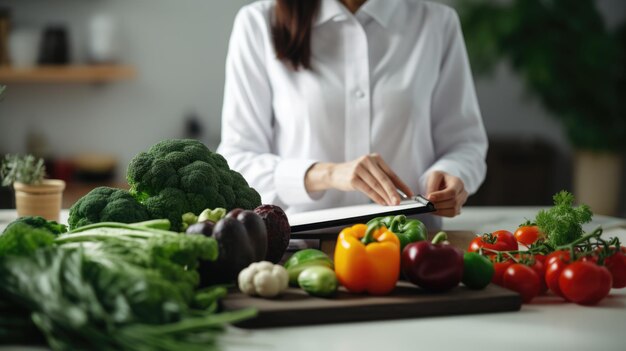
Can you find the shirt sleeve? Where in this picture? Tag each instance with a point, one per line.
(247, 117)
(459, 137)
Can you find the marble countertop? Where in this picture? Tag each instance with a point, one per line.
(546, 324)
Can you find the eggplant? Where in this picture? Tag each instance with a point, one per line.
(241, 238)
(257, 233)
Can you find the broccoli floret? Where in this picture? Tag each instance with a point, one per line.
(178, 176)
(40, 223)
(21, 239)
(106, 204)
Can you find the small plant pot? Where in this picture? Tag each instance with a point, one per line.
(43, 199)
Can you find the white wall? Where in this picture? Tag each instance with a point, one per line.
(178, 47)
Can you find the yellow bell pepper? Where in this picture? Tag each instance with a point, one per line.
(367, 259)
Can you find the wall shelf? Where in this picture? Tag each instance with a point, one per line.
(67, 74)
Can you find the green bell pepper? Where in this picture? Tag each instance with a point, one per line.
(477, 271)
(407, 230)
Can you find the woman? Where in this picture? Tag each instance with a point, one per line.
(331, 103)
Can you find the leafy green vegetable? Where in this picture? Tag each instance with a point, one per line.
(109, 286)
(105, 204)
(562, 223)
(41, 223)
(17, 327)
(20, 239)
(175, 177)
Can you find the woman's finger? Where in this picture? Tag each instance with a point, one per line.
(382, 179)
(444, 205)
(451, 208)
(453, 186)
(398, 183)
(360, 185)
(362, 172)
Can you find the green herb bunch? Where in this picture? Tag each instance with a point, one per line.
(562, 224)
(24, 169)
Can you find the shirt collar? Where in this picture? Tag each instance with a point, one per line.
(330, 9)
(380, 10)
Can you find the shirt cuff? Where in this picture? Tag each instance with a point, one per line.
(289, 182)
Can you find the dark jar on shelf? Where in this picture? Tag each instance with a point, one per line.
(55, 46)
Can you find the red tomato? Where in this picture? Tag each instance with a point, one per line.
(541, 258)
(523, 280)
(500, 240)
(527, 234)
(561, 255)
(553, 273)
(500, 268)
(540, 269)
(585, 283)
(616, 264)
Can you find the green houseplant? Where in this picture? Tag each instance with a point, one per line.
(34, 195)
(574, 64)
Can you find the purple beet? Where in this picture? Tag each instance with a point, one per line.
(278, 231)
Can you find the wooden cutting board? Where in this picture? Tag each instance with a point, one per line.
(296, 308)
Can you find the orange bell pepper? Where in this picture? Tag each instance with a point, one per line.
(367, 259)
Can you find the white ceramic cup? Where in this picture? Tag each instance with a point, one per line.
(102, 44)
(24, 47)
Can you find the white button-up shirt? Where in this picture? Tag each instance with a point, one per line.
(392, 79)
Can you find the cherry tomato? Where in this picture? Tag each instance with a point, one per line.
(555, 262)
(527, 234)
(561, 255)
(523, 280)
(499, 269)
(553, 273)
(500, 240)
(616, 264)
(585, 283)
(541, 258)
(540, 269)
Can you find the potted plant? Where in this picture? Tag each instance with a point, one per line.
(34, 195)
(571, 61)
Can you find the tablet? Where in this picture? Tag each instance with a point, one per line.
(340, 216)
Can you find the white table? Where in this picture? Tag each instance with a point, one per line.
(546, 324)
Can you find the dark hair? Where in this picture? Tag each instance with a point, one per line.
(291, 31)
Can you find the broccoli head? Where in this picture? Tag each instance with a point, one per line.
(106, 204)
(40, 223)
(182, 175)
(21, 239)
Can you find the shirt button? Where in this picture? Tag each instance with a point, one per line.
(359, 94)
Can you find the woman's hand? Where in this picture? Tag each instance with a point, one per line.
(446, 192)
(368, 174)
